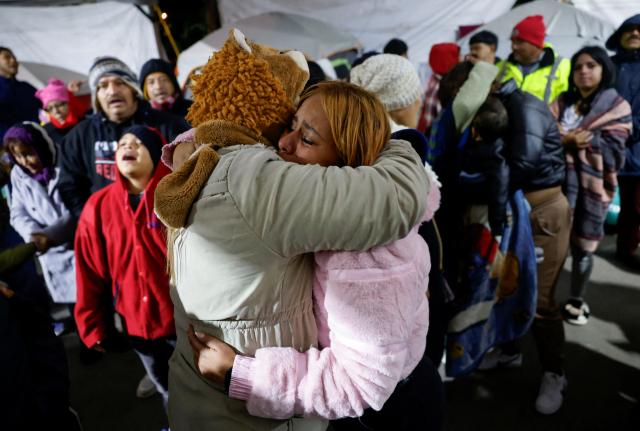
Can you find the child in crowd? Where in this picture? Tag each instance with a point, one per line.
(121, 245)
(37, 211)
(63, 108)
(485, 173)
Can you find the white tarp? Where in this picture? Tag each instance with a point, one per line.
(568, 28)
(614, 11)
(38, 75)
(71, 37)
(420, 23)
(278, 30)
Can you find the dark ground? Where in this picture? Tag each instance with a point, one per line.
(602, 368)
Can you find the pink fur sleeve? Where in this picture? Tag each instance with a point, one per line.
(377, 314)
(167, 150)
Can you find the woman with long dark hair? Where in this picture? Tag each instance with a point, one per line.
(595, 122)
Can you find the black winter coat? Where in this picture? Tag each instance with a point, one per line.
(628, 85)
(57, 135)
(87, 154)
(534, 148)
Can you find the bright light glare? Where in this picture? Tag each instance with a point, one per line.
(164, 15)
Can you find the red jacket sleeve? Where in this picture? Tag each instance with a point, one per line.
(92, 276)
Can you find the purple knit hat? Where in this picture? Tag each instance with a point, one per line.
(34, 136)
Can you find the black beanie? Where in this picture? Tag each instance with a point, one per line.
(150, 138)
(159, 65)
(396, 46)
(484, 36)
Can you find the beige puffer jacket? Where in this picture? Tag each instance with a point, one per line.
(244, 271)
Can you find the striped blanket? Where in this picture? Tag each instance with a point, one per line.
(592, 172)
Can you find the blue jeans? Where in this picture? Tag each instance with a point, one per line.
(155, 355)
(417, 403)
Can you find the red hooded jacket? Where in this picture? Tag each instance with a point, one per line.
(125, 251)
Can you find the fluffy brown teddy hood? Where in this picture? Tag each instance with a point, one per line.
(244, 95)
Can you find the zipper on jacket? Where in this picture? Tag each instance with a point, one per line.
(115, 297)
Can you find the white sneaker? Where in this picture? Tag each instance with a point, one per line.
(146, 387)
(550, 396)
(495, 358)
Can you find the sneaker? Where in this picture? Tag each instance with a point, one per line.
(576, 312)
(146, 387)
(550, 397)
(495, 359)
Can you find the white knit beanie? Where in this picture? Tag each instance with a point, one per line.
(391, 77)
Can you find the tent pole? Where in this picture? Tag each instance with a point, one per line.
(167, 30)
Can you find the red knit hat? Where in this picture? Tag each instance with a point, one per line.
(531, 29)
(443, 57)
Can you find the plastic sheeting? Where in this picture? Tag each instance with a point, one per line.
(420, 23)
(38, 75)
(71, 37)
(568, 28)
(614, 11)
(314, 38)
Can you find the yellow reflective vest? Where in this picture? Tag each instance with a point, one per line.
(538, 82)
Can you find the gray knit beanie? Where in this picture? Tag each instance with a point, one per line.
(391, 77)
(103, 66)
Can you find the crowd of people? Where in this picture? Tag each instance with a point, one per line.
(284, 249)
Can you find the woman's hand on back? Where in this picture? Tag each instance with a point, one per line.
(211, 356)
(577, 139)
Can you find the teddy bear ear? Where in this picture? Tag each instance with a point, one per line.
(241, 41)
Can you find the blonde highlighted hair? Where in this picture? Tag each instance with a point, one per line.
(358, 119)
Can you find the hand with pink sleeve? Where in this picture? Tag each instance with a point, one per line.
(177, 152)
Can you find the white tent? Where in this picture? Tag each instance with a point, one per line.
(614, 11)
(420, 23)
(38, 75)
(71, 37)
(314, 38)
(568, 28)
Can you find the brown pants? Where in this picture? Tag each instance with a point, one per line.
(551, 226)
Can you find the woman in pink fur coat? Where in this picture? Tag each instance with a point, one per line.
(371, 307)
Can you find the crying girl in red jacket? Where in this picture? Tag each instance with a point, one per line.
(120, 246)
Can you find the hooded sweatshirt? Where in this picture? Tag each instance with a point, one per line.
(87, 155)
(125, 252)
(628, 85)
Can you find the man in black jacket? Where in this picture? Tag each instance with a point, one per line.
(160, 87)
(537, 166)
(87, 154)
(626, 43)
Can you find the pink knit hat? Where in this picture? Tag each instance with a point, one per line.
(54, 91)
